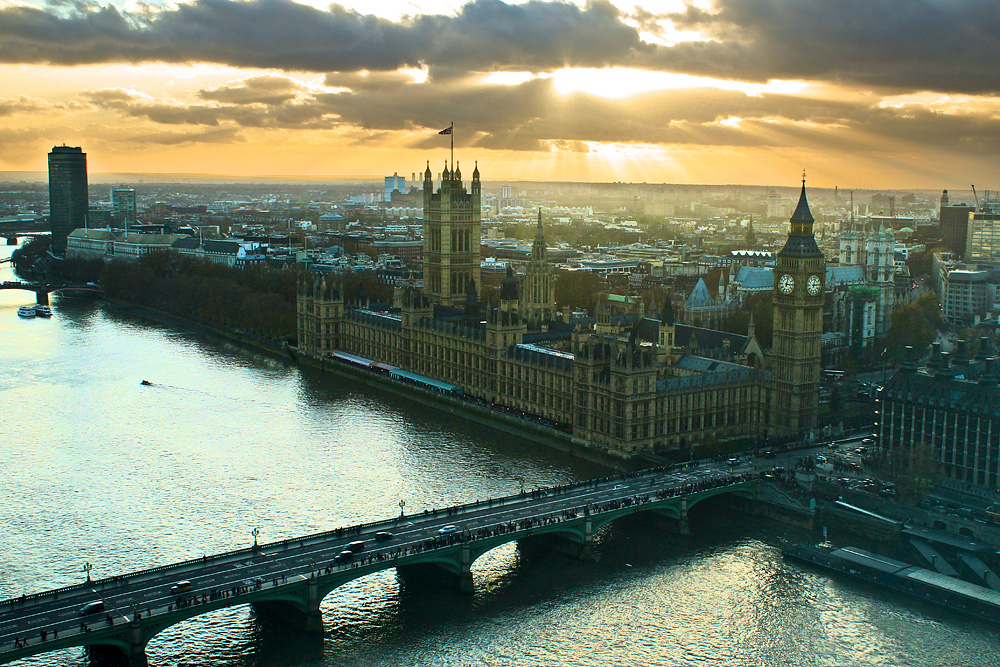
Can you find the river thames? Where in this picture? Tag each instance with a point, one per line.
(98, 469)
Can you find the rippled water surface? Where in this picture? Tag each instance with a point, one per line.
(97, 468)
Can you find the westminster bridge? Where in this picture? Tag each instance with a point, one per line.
(42, 290)
(293, 576)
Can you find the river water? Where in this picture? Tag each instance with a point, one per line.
(95, 468)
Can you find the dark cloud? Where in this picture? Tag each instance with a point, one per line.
(944, 45)
(306, 115)
(532, 116)
(255, 90)
(483, 35)
(368, 80)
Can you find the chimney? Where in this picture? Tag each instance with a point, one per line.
(984, 348)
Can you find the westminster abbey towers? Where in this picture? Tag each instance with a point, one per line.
(799, 274)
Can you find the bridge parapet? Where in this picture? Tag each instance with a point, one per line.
(573, 511)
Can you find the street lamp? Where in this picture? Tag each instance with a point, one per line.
(87, 567)
(402, 504)
(255, 532)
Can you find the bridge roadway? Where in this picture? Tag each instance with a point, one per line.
(42, 290)
(292, 576)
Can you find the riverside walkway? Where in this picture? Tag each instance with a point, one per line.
(294, 575)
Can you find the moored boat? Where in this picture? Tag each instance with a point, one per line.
(927, 585)
(26, 311)
(43, 311)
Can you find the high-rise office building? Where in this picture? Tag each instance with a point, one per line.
(68, 200)
(954, 224)
(982, 241)
(123, 205)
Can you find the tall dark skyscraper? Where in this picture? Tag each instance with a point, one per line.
(68, 201)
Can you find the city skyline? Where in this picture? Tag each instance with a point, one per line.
(716, 92)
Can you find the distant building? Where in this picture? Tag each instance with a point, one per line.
(123, 205)
(982, 244)
(966, 295)
(872, 247)
(948, 412)
(394, 183)
(68, 199)
(954, 224)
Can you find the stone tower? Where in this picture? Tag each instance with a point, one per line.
(800, 273)
(320, 311)
(452, 224)
(539, 297)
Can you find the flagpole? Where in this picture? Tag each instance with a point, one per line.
(452, 136)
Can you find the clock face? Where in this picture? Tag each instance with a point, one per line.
(813, 285)
(786, 284)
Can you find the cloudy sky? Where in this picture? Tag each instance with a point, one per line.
(861, 93)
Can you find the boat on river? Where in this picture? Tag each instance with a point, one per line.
(43, 311)
(927, 585)
(26, 311)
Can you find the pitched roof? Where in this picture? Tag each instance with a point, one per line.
(844, 275)
(708, 339)
(755, 278)
(700, 296)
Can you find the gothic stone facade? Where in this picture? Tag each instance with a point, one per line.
(608, 389)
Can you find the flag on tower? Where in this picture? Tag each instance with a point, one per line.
(448, 129)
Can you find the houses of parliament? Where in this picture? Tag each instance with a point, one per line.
(625, 382)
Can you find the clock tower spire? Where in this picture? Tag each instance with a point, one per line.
(800, 274)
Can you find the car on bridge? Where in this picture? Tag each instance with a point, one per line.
(181, 587)
(383, 536)
(344, 557)
(355, 547)
(92, 607)
(448, 530)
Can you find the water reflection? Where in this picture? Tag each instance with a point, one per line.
(97, 468)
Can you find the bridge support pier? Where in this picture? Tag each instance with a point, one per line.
(462, 581)
(578, 547)
(456, 575)
(313, 622)
(137, 646)
(42, 298)
(678, 525)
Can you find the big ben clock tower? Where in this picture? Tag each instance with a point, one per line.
(799, 274)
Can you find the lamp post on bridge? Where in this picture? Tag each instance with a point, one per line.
(255, 532)
(87, 567)
(402, 504)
